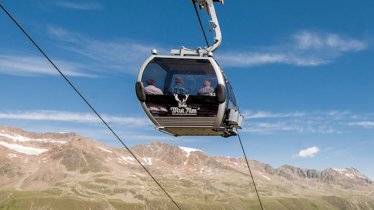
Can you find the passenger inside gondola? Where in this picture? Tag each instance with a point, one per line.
(207, 89)
(178, 88)
(151, 88)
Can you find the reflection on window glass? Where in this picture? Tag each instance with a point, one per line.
(154, 79)
(182, 76)
(230, 96)
(195, 83)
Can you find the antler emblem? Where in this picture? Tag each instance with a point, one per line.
(183, 102)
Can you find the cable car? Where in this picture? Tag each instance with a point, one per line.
(187, 93)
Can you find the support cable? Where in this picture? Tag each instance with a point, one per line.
(201, 25)
(86, 102)
(250, 171)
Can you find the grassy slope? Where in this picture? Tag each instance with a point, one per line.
(54, 200)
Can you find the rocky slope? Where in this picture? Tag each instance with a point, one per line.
(41, 171)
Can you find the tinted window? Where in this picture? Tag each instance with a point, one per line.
(190, 73)
(154, 72)
(230, 96)
(194, 81)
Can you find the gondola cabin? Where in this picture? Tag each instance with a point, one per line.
(188, 96)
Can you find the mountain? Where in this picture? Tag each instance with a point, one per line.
(68, 171)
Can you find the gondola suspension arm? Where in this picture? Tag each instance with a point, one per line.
(214, 27)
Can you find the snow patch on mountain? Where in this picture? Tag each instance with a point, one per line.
(12, 155)
(103, 149)
(23, 149)
(188, 150)
(14, 137)
(345, 172)
(147, 161)
(266, 177)
(20, 138)
(127, 159)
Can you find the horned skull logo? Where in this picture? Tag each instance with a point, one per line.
(181, 104)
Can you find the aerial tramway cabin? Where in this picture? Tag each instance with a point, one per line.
(187, 93)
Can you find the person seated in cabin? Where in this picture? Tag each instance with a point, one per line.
(178, 88)
(151, 88)
(207, 90)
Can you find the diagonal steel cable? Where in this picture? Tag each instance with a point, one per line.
(250, 172)
(201, 25)
(86, 102)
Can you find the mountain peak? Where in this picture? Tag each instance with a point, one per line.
(67, 160)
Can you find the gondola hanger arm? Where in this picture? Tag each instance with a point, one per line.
(214, 24)
(214, 27)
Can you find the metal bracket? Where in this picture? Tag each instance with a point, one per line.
(214, 24)
(191, 52)
(214, 27)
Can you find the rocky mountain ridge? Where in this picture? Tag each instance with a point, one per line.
(72, 165)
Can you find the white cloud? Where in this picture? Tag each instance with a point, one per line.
(79, 6)
(308, 40)
(120, 55)
(26, 65)
(272, 127)
(308, 152)
(327, 122)
(306, 48)
(365, 124)
(51, 115)
(244, 59)
(311, 40)
(248, 59)
(265, 114)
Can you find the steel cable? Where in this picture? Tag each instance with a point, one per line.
(86, 102)
(201, 25)
(250, 171)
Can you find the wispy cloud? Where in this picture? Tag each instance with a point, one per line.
(132, 130)
(79, 5)
(26, 65)
(265, 114)
(289, 126)
(243, 59)
(77, 117)
(121, 55)
(272, 127)
(327, 122)
(365, 124)
(308, 152)
(249, 59)
(306, 40)
(305, 48)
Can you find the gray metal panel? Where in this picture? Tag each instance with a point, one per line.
(140, 74)
(221, 80)
(185, 121)
(145, 108)
(192, 131)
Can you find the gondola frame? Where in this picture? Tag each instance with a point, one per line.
(221, 81)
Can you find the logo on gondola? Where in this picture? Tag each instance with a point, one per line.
(182, 108)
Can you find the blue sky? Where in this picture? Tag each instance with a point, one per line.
(302, 72)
